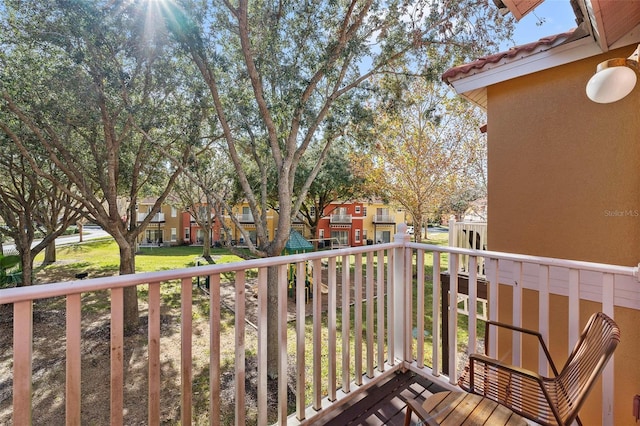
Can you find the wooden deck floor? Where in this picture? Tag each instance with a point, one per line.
(385, 404)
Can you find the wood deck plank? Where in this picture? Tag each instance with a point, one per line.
(385, 404)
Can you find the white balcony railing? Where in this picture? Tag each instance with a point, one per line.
(378, 340)
(245, 218)
(384, 218)
(158, 217)
(340, 218)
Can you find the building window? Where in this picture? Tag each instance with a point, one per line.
(364, 211)
(174, 212)
(153, 236)
(364, 234)
(357, 235)
(174, 234)
(321, 234)
(357, 209)
(341, 236)
(187, 235)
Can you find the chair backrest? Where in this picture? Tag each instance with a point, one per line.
(595, 346)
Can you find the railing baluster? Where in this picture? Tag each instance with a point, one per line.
(574, 308)
(608, 385)
(282, 345)
(74, 360)
(331, 322)
(473, 304)
(22, 361)
(435, 331)
(117, 355)
(240, 374)
(543, 319)
(357, 322)
(153, 339)
(516, 358)
(420, 308)
(186, 341)
(391, 359)
(369, 314)
(346, 325)
(317, 334)
(380, 306)
(408, 317)
(453, 318)
(492, 277)
(215, 404)
(301, 275)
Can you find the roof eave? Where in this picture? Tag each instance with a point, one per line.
(473, 85)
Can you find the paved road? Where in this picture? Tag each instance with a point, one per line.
(87, 235)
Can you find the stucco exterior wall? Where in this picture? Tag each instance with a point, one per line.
(564, 181)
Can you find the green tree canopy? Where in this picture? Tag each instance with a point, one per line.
(98, 90)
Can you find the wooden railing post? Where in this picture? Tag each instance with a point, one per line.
(401, 283)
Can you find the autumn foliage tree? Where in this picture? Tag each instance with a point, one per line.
(426, 148)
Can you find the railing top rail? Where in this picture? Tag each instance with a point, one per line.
(43, 291)
(548, 261)
(12, 295)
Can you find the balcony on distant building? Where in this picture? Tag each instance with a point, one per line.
(245, 218)
(340, 218)
(157, 218)
(384, 218)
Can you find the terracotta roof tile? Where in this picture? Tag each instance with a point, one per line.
(517, 51)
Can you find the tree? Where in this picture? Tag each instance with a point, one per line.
(105, 99)
(334, 184)
(424, 150)
(204, 176)
(283, 77)
(28, 205)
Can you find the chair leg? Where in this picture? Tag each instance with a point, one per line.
(414, 406)
(407, 416)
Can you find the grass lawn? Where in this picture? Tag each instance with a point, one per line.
(100, 258)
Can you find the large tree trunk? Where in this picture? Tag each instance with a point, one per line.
(206, 242)
(128, 266)
(50, 253)
(26, 263)
(273, 348)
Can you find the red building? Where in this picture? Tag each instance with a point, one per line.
(343, 225)
(194, 234)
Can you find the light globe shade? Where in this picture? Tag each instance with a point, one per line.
(611, 84)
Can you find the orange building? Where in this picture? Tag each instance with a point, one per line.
(564, 177)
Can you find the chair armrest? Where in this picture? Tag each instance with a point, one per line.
(499, 365)
(521, 330)
(416, 407)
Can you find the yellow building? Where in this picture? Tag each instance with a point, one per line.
(165, 227)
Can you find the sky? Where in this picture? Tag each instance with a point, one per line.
(557, 17)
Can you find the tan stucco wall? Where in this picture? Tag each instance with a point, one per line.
(564, 181)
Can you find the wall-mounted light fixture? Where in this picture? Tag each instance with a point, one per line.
(614, 79)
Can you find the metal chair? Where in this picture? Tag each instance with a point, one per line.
(545, 400)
